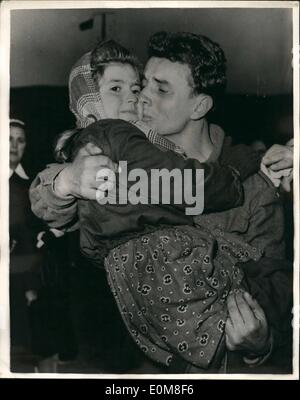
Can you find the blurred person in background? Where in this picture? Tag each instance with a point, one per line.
(25, 259)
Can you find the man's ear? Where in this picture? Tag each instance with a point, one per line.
(203, 103)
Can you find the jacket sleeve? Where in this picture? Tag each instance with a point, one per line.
(270, 280)
(266, 223)
(55, 211)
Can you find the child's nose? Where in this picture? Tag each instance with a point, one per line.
(133, 98)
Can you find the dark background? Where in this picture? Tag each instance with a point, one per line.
(257, 43)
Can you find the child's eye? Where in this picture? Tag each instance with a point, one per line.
(116, 88)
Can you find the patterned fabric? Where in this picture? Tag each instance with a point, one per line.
(84, 95)
(158, 140)
(171, 288)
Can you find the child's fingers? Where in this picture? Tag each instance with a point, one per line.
(90, 149)
(107, 179)
(93, 149)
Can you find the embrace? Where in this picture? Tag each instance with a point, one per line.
(203, 293)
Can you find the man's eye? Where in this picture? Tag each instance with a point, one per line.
(161, 90)
(116, 88)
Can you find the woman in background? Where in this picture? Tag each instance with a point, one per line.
(24, 257)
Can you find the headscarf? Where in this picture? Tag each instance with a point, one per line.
(84, 95)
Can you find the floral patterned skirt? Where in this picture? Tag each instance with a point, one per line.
(171, 288)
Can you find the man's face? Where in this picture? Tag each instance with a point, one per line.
(167, 97)
(17, 144)
(119, 90)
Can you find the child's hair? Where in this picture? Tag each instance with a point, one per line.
(110, 51)
(63, 147)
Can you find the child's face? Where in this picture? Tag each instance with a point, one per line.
(119, 90)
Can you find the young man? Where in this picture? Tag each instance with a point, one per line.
(183, 77)
(186, 72)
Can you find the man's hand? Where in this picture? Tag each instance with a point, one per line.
(279, 157)
(279, 160)
(246, 327)
(78, 179)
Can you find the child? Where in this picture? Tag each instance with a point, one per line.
(170, 278)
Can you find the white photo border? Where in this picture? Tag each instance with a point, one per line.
(6, 8)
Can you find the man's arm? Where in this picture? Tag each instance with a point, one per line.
(269, 279)
(266, 217)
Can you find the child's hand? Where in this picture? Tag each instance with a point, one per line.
(40, 243)
(43, 238)
(90, 149)
(31, 296)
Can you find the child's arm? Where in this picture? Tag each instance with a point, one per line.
(46, 204)
(52, 201)
(222, 183)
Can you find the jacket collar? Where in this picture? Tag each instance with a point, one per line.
(19, 171)
(217, 137)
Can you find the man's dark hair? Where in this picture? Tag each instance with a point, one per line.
(204, 57)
